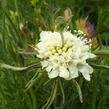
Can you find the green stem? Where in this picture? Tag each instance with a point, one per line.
(62, 38)
(79, 90)
(52, 96)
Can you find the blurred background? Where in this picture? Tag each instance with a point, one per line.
(21, 22)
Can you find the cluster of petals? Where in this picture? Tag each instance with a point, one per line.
(64, 54)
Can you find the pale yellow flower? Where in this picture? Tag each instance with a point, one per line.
(66, 59)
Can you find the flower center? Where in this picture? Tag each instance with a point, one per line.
(58, 50)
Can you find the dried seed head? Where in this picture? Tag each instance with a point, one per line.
(67, 14)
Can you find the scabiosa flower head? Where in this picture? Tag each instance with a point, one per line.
(65, 58)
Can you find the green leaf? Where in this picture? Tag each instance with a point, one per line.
(47, 82)
(33, 80)
(52, 96)
(101, 52)
(12, 67)
(4, 3)
(99, 66)
(16, 68)
(79, 90)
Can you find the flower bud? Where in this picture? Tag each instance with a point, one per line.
(67, 14)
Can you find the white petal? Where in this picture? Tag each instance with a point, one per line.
(49, 68)
(74, 71)
(64, 73)
(44, 63)
(86, 70)
(53, 73)
(44, 35)
(92, 55)
(87, 55)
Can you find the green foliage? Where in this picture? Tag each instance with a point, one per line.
(23, 86)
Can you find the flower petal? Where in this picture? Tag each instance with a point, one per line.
(44, 63)
(49, 68)
(74, 71)
(87, 55)
(86, 70)
(44, 35)
(53, 73)
(64, 72)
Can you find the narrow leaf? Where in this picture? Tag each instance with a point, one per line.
(101, 52)
(99, 66)
(12, 67)
(2, 65)
(79, 90)
(52, 96)
(32, 82)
